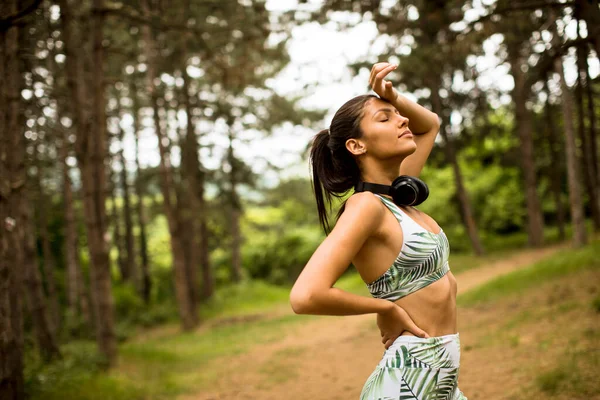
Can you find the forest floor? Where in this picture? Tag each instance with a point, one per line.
(516, 347)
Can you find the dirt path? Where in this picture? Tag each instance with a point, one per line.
(328, 357)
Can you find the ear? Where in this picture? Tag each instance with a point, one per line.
(356, 147)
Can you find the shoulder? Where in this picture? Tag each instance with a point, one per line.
(364, 208)
(362, 218)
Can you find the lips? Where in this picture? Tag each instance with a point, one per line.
(406, 132)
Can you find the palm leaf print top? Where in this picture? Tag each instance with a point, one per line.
(423, 259)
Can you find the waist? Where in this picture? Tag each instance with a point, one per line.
(415, 352)
(433, 308)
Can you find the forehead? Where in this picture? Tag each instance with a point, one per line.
(374, 105)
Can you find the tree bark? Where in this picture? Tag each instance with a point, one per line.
(577, 216)
(461, 191)
(36, 300)
(127, 214)
(234, 215)
(520, 94)
(555, 167)
(12, 169)
(146, 282)
(117, 239)
(592, 129)
(191, 168)
(589, 169)
(76, 288)
(91, 154)
(186, 307)
(47, 256)
(208, 280)
(590, 12)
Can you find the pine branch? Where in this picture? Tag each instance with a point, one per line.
(6, 23)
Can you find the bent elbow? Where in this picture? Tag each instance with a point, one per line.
(300, 302)
(437, 123)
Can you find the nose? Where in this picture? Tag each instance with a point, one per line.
(402, 122)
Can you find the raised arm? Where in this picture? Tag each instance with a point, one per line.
(423, 123)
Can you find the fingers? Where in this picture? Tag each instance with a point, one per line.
(376, 69)
(411, 326)
(419, 332)
(388, 343)
(380, 71)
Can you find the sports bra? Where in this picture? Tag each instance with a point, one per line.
(423, 259)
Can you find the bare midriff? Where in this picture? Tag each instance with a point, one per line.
(433, 308)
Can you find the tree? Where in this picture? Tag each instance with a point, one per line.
(573, 174)
(89, 120)
(12, 153)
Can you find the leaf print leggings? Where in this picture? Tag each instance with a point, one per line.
(415, 368)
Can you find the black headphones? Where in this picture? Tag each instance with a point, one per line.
(405, 190)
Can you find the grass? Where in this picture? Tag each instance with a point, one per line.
(162, 364)
(156, 368)
(245, 298)
(562, 264)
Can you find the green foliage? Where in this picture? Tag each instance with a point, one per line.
(76, 376)
(247, 297)
(280, 255)
(596, 303)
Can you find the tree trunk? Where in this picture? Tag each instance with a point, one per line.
(91, 154)
(42, 323)
(186, 307)
(577, 217)
(12, 169)
(583, 80)
(461, 192)
(520, 94)
(194, 175)
(555, 167)
(208, 280)
(117, 239)
(146, 283)
(190, 168)
(593, 132)
(129, 246)
(234, 215)
(590, 12)
(76, 288)
(47, 256)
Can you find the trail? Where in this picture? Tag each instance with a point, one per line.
(330, 357)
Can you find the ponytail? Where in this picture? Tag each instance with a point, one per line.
(334, 169)
(321, 161)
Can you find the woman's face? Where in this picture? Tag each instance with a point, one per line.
(385, 131)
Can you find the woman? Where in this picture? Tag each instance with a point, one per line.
(400, 252)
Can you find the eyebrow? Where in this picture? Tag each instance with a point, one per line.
(387, 110)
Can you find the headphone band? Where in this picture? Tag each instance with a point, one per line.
(373, 187)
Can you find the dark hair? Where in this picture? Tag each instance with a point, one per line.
(334, 169)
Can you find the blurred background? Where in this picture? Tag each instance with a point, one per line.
(156, 204)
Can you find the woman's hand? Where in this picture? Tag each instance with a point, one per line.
(393, 322)
(383, 88)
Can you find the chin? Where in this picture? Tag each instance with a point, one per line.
(410, 149)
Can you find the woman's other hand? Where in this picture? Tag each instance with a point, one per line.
(383, 88)
(393, 322)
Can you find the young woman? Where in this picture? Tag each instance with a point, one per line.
(400, 252)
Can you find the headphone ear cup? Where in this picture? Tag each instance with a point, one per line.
(423, 192)
(404, 191)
